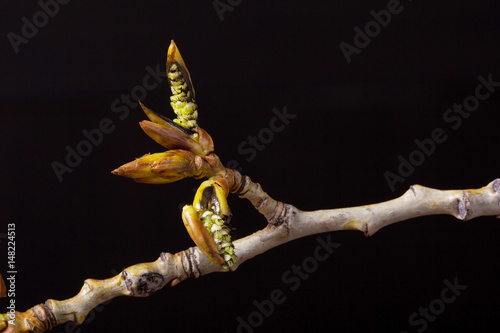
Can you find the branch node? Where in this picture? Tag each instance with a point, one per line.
(244, 185)
(412, 188)
(463, 206)
(495, 185)
(190, 263)
(281, 214)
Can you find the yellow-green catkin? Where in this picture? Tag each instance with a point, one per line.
(217, 226)
(182, 100)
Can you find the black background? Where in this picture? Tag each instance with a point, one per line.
(352, 122)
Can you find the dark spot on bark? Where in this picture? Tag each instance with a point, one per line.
(149, 283)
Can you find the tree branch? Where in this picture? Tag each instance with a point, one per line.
(286, 223)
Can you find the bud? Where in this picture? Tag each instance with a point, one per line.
(212, 195)
(182, 132)
(205, 140)
(177, 71)
(171, 137)
(212, 209)
(183, 98)
(160, 168)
